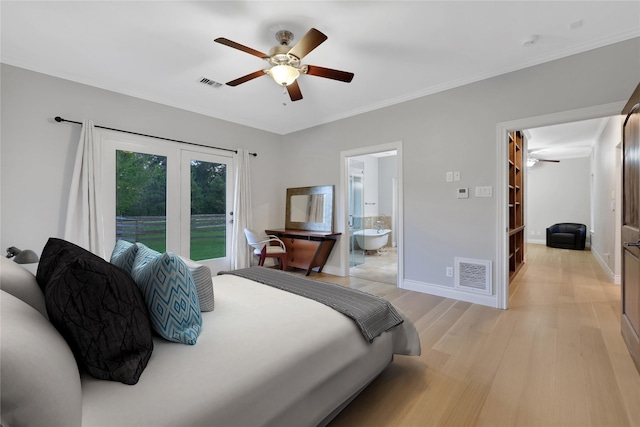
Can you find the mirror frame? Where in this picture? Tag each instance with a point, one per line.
(327, 224)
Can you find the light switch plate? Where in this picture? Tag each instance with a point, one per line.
(449, 176)
(484, 191)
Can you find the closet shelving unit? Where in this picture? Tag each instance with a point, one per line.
(516, 205)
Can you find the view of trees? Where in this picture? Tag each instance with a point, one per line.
(141, 203)
(208, 188)
(141, 185)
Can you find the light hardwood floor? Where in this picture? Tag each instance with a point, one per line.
(555, 358)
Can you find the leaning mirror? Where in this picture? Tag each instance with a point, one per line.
(310, 208)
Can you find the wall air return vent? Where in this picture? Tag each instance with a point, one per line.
(473, 275)
(214, 84)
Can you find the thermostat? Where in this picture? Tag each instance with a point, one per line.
(463, 193)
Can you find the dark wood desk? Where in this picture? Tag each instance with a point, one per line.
(306, 249)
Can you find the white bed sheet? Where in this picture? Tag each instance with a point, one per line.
(264, 357)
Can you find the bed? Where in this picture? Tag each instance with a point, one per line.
(264, 357)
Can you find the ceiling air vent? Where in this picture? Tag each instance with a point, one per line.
(214, 84)
(473, 275)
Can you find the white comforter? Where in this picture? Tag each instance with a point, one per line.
(264, 357)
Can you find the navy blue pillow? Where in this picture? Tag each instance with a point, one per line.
(98, 309)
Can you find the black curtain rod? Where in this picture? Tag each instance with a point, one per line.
(60, 119)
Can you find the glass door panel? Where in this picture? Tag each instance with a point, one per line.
(206, 209)
(356, 218)
(141, 198)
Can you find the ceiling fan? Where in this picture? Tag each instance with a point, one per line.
(285, 61)
(533, 160)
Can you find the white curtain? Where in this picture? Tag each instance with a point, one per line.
(84, 223)
(240, 249)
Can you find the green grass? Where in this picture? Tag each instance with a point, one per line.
(208, 238)
(212, 247)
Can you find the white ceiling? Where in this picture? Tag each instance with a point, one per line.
(564, 141)
(159, 51)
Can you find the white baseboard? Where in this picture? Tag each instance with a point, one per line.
(615, 278)
(544, 242)
(330, 269)
(537, 241)
(448, 292)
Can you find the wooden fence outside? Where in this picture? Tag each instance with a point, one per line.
(153, 229)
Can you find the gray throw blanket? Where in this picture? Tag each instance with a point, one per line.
(372, 314)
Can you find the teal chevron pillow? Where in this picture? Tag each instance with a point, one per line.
(123, 255)
(171, 297)
(144, 255)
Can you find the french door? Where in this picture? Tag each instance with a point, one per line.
(167, 197)
(206, 201)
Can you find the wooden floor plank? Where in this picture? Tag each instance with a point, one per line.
(606, 406)
(570, 387)
(555, 358)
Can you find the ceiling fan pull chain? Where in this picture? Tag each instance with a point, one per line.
(284, 93)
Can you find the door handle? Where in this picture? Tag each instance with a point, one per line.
(635, 245)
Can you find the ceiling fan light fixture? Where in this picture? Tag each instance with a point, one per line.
(284, 75)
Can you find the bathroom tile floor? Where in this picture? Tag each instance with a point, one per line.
(381, 267)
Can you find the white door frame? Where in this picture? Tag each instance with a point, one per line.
(343, 203)
(186, 155)
(502, 237)
(178, 208)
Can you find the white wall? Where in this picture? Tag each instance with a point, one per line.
(387, 170)
(455, 130)
(370, 184)
(557, 192)
(37, 153)
(378, 175)
(606, 156)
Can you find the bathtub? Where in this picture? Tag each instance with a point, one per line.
(370, 239)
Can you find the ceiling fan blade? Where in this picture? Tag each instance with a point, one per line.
(241, 47)
(329, 73)
(551, 161)
(246, 78)
(294, 91)
(307, 43)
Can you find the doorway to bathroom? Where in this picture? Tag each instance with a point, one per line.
(373, 220)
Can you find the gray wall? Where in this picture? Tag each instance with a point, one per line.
(454, 130)
(37, 153)
(606, 185)
(557, 192)
(387, 170)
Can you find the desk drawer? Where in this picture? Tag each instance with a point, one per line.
(300, 252)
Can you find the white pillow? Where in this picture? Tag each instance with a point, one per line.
(40, 378)
(22, 284)
(204, 284)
